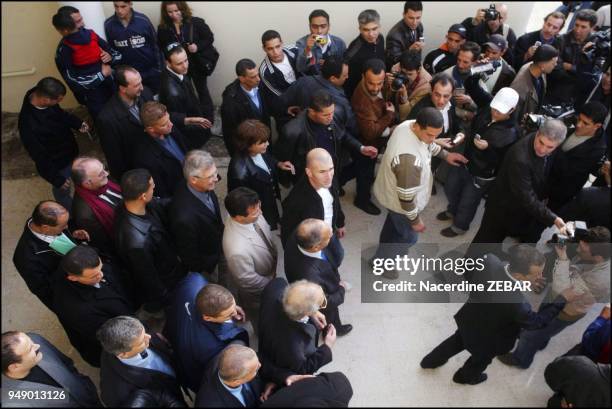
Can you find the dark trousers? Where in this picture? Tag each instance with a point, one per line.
(96, 98)
(151, 79)
(463, 197)
(471, 369)
(200, 83)
(396, 236)
(332, 315)
(362, 169)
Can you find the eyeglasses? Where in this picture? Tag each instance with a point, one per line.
(215, 176)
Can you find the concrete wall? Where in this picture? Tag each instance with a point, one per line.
(237, 27)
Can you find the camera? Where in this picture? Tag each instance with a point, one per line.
(598, 54)
(576, 231)
(486, 68)
(491, 13)
(564, 112)
(399, 79)
(321, 40)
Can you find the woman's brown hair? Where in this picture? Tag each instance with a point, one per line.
(251, 132)
(165, 21)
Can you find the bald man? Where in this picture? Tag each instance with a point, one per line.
(307, 257)
(232, 381)
(45, 239)
(316, 196)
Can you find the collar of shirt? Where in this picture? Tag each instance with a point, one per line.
(252, 93)
(309, 254)
(43, 237)
(446, 108)
(178, 75)
(203, 196)
(137, 360)
(237, 391)
(325, 47)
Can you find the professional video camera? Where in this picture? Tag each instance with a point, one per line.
(399, 79)
(491, 13)
(564, 112)
(576, 231)
(486, 68)
(599, 53)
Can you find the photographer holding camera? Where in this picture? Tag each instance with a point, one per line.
(588, 273)
(407, 83)
(488, 22)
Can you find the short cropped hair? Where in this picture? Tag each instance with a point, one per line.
(151, 112)
(78, 259)
(118, 334)
(410, 60)
(320, 100)
(238, 201)
(430, 117)
(332, 67)
(10, 339)
(270, 35)
(523, 256)
(368, 16)
(120, 76)
(318, 13)
(544, 53)
(63, 21)
(598, 239)
(171, 49)
(196, 160)
(50, 87)
(45, 214)
(442, 78)
(594, 110)
(309, 237)
(250, 132)
(212, 299)
(413, 5)
(472, 47)
(134, 183)
(587, 15)
(553, 129)
(232, 362)
(243, 65)
(557, 15)
(376, 65)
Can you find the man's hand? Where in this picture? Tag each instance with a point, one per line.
(295, 378)
(310, 42)
(570, 294)
(81, 235)
(481, 144)
(330, 337)
(293, 110)
(444, 142)
(560, 225)
(456, 159)
(388, 79)
(192, 48)
(567, 66)
(198, 121)
(340, 232)
(539, 285)
(106, 70)
(402, 93)
(419, 227)
(239, 315)
(479, 17)
(286, 165)
(389, 106)
(369, 151)
(418, 45)
(530, 52)
(319, 319)
(463, 99)
(105, 57)
(67, 184)
(270, 386)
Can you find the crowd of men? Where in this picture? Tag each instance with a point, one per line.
(521, 121)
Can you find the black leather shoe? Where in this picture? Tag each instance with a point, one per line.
(448, 232)
(508, 359)
(343, 329)
(429, 363)
(457, 379)
(444, 216)
(367, 207)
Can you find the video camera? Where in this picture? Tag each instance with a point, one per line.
(491, 13)
(564, 112)
(486, 68)
(598, 55)
(576, 231)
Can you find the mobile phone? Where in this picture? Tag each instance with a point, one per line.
(421, 39)
(459, 91)
(458, 138)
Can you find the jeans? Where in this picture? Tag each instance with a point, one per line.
(396, 231)
(62, 196)
(362, 169)
(532, 341)
(463, 198)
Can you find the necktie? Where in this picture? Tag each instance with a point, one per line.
(209, 202)
(264, 238)
(249, 396)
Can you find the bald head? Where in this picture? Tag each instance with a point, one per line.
(313, 235)
(302, 298)
(49, 218)
(318, 155)
(237, 365)
(319, 168)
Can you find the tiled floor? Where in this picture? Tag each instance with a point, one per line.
(380, 356)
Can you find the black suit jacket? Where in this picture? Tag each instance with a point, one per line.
(304, 202)
(213, 394)
(331, 389)
(166, 170)
(299, 266)
(196, 230)
(119, 133)
(82, 309)
(290, 346)
(79, 389)
(490, 322)
(119, 381)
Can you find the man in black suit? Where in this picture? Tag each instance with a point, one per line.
(161, 150)
(326, 390)
(490, 322)
(232, 381)
(179, 94)
(242, 100)
(316, 196)
(133, 360)
(288, 337)
(87, 293)
(195, 216)
(45, 239)
(30, 362)
(307, 258)
(144, 243)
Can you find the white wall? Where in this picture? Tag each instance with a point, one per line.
(238, 25)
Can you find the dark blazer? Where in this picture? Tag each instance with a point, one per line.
(236, 106)
(37, 263)
(491, 322)
(303, 202)
(284, 343)
(82, 309)
(330, 389)
(213, 394)
(454, 123)
(242, 171)
(119, 381)
(147, 250)
(119, 133)
(80, 390)
(166, 170)
(196, 230)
